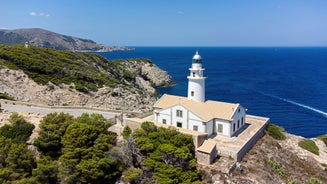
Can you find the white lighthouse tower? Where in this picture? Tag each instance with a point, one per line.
(196, 85)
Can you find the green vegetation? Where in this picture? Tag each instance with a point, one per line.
(323, 138)
(71, 150)
(87, 71)
(114, 94)
(53, 127)
(18, 131)
(82, 150)
(168, 154)
(16, 160)
(126, 132)
(309, 145)
(275, 131)
(6, 97)
(132, 175)
(82, 146)
(277, 167)
(314, 180)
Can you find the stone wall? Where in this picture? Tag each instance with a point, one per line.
(239, 155)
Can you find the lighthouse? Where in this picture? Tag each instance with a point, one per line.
(196, 80)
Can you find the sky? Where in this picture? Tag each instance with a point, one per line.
(175, 22)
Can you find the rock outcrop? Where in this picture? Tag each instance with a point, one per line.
(148, 75)
(141, 97)
(297, 165)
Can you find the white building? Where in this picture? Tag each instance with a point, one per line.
(194, 113)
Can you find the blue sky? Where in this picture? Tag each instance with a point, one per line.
(176, 22)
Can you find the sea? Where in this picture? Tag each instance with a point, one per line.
(286, 84)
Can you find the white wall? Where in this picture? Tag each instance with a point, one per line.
(226, 127)
(182, 119)
(209, 126)
(197, 85)
(159, 115)
(238, 115)
(188, 119)
(195, 120)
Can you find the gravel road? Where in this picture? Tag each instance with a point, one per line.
(43, 110)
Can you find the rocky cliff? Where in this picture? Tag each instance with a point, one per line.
(47, 39)
(17, 84)
(83, 80)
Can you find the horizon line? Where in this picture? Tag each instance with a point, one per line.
(227, 46)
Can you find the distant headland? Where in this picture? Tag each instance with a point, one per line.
(48, 39)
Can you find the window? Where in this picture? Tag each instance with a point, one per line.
(233, 127)
(195, 127)
(239, 110)
(193, 74)
(179, 124)
(242, 121)
(179, 113)
(238, 124)
(220, 128)
(164, 121)
(192, 93)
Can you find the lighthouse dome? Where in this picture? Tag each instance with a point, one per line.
(197, 58)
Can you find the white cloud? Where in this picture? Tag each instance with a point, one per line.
(39, 14)
(179, 12)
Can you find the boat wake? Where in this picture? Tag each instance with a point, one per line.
(297, 104)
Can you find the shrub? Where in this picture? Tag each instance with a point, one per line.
(126, 132)
(132, 174)
(309, 145)
(114, 94)
(6, 97)
(277, 167)
(314, 180)
(51, 87)
(323, 138)
(275, 132)
(19, 131)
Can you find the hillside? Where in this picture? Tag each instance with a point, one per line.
(296, 164)
(47, 39)
(274, 161)
(58, 77)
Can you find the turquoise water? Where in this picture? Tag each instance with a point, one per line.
(289, 85)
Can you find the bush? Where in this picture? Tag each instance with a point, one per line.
(6, 97)
(114, 94)
(275, 132)
(19, 131)
(309, 145)
(323, 138)
(277, 167)
(314, 180)
(126, 132)
(169, 154)
(132, 175)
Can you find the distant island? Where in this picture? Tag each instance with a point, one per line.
(48, 39)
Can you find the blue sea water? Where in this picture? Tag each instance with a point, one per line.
(288, 85)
